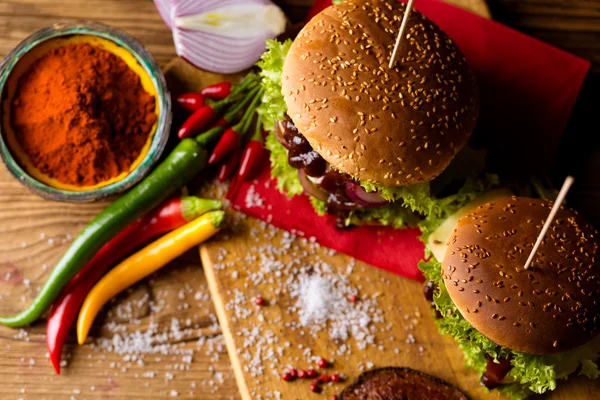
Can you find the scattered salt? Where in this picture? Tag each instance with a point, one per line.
(253, 199)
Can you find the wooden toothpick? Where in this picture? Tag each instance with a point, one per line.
(409, 7)
(557, 203)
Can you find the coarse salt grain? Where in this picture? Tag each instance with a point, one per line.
(253, 199)
(322, 300)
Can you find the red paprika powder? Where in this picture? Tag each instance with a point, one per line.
(81, 114)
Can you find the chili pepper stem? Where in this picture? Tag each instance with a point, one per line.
(258, 131)
(144, 263)
(208, 137)
(192, 206)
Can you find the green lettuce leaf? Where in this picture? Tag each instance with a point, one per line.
(273, 109)
(319, 206)
(448, 205)
(530, 373)
(417, 197)
(394, 214)
(285, 175)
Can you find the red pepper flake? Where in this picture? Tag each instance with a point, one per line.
(259, 301)
(302, 374)
(334, 397)
(315, 388)
(311, 373)
(288, 377)
(335, 377)
(325, 378)
(323, 363)
(293, 373)
(353, 298)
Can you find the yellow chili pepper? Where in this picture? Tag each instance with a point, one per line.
(143, 263)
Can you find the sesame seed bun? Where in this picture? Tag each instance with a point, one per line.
(394, 127)
(551, 307)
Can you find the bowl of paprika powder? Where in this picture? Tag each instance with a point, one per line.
(86, 112)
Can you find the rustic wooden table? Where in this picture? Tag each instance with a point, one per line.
(185, 356)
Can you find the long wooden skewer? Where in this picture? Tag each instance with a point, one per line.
(557, 203)
(409, 7)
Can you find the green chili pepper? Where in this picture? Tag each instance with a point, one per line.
(185, 161)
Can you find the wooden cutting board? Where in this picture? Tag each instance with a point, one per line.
(253, 260)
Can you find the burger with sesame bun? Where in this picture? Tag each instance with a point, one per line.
(367, 143)
(523, 329)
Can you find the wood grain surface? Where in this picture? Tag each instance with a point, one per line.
(34, 233)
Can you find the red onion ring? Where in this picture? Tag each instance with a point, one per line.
(278, 132)
(359, 195)
(310, 188)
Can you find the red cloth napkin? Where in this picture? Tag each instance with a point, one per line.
(528, 89)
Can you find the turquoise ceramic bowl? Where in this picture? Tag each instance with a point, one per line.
(155, 145)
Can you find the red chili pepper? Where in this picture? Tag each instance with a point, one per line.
(227, 168)
(217, 91)
(221, 122)
(254, 154)
(190, 101)
(229, 141)
(197, 121)
(233, 136)
(171, 215)
(201, 119)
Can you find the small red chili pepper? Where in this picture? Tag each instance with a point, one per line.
(335, 377)
(197, 121)
(229, 141)
(302, 374)
(217, 91)
(311, 373)
(325, 378)
(233, 136)
(191, 101)
(254, 154)
(216, 131)
(221, 122)
(171, 215)
(323, 363)
(227, 168)
(201, 119)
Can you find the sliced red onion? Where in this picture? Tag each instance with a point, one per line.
(359, 195)
(165, 9)
(310, 188)
(224, 36)
(279, 132)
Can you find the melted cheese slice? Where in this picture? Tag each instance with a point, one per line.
(437, 240)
